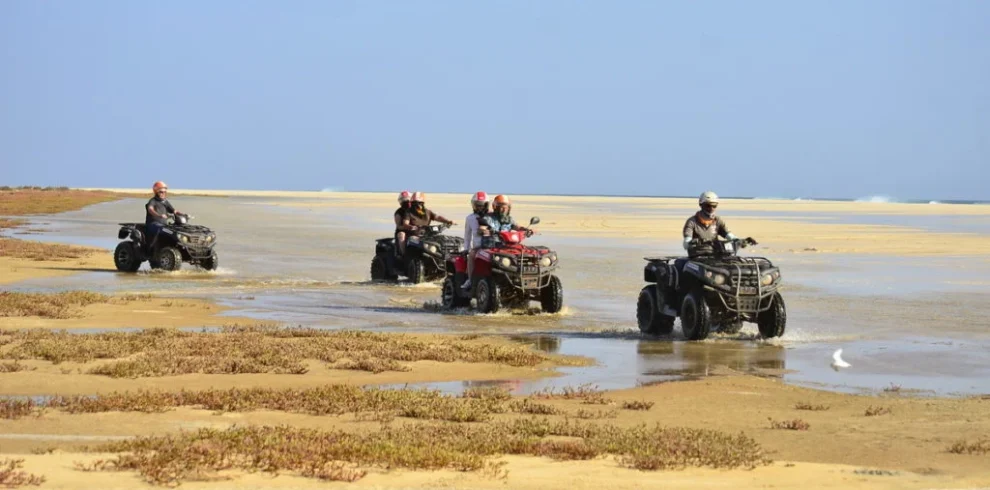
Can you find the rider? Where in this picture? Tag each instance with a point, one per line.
(399, 216)
(472, 231)
(501, 218)
(419, 217)
(157, 211)
(705, 226)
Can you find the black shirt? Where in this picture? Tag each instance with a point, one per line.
(401, 215)
(160, 206)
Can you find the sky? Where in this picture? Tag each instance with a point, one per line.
(840, 99)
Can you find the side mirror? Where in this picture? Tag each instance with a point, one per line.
(535, 220)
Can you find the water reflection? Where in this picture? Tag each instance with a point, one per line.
(623, 362)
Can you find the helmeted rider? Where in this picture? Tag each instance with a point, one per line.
(472, 231)
(400, 214)
(705, 226)
(500, 219)
(419, 217)
(156, 211)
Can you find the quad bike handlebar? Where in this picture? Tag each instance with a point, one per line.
(721, 247)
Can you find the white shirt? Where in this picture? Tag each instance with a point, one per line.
(472, 233)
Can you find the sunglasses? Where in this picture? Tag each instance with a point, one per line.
(161, 191)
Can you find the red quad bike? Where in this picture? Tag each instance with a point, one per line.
(507, 274)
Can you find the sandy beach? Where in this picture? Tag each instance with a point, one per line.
(893, 438)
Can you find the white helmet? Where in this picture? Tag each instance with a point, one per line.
(707, 197)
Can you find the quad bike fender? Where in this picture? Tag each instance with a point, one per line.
(483, 265)
(459, 263)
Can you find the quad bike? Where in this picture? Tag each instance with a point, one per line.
(425, 258)
(177, 242)
(713, 289)
(506, 274)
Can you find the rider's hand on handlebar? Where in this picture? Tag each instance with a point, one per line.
(529, 232)
(750, 241)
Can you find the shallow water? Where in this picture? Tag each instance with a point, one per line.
(918, 323)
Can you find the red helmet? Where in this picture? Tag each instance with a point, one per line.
(158, 186)
(500, 199)
(404, 196)
(418, 197)
(479, 197)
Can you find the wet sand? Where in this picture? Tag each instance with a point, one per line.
(918, 322)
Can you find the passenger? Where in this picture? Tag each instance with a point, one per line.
(399, 217)
(156, 212)
(472, 231)
(501, 219)
(705, 226)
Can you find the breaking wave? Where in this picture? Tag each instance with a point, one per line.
(877, 199)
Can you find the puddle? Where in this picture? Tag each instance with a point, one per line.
(918, 366)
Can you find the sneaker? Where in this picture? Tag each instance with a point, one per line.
(466, 285)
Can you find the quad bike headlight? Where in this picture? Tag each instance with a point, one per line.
(545, 262)
(505, 262)
(432, 249)
(767, 279)
(184, 238)
(718, 279)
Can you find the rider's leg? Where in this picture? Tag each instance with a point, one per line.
(152, 231)
(400, 242)
(470, 268)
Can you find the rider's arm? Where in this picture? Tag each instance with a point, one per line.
(437, 217)
(470, 224)
(406, 225)
(688, 234)
(169, 207)
(151, 209)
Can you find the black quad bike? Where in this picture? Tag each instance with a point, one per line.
(425, 258)
(712, 290)
(506, 274)
(177, 242)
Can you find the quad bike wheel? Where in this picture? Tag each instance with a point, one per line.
(651, 320)
(379, 270)
(696, 317)
(211, 263)
(489, 296)
(552, 296)
(448, 295)
(773, 321)
(169, 258)
(126, 258)
(416, 270)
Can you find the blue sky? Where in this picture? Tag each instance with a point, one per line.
(785, 99)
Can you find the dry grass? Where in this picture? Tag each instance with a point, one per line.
(57, 305)
(11, 475)
(23, 201)
(13, 367)
(11, 223)
(873, 411)
(796, 424)
(340, 455)
(364, 403)
(588, 394)
(253, 349)
(637, 405)
(981, 446)
(15, 409)
(810, 407)
(24, 249)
